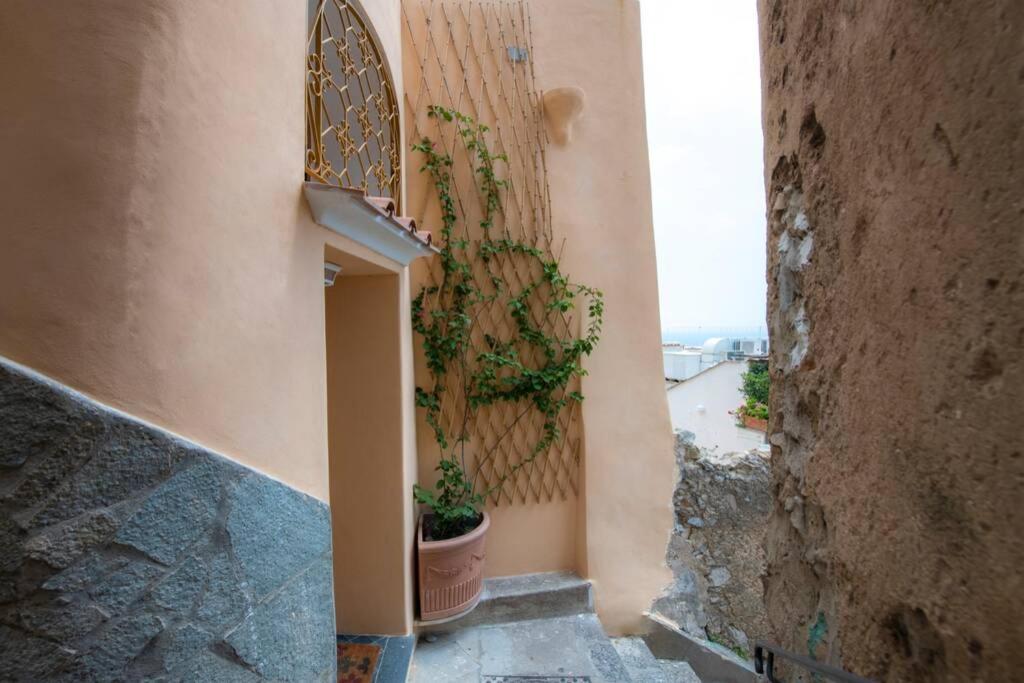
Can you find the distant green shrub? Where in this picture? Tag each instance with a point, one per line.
(754, 409)
(756, 383)
(755, 389)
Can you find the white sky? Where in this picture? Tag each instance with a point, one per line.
(703, 97)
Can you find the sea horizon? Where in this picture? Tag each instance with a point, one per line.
(697, 334)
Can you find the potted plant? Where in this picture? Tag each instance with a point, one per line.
(753, 414)
(450, 545)
(525, 364)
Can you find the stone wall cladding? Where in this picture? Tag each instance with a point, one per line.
(131, 554)
(894, 156)
(722, 503)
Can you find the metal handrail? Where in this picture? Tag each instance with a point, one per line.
(766, 666)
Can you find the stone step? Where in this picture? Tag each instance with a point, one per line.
(644, 667)
(521, 598)
(638, 659)
(710, 661)
(567, 648)
(678, 672)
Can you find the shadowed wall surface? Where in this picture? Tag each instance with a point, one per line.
(130, 554)
(371, 471)
(894, 158)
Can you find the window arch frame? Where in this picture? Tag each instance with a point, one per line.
(375, 149)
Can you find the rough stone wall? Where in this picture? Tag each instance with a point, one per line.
(716, 554)
(894, 161)
(129, 554)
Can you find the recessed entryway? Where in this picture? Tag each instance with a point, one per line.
(364, 416)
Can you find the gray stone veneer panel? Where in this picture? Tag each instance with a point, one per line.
(131, 554)
(292, 634)
(261, 525)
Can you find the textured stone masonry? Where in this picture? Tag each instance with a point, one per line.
(131, 554)
(894, 163)
(722, 503)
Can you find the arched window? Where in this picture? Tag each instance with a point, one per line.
(352, 134)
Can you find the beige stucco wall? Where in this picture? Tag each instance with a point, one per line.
(157, 254)
(532, 537)
(600, 185)
(157, 251)
(616, 531)
(371, 477)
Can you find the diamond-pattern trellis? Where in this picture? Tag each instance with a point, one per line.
(475, 56)
(352, 132)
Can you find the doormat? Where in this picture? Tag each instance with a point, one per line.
(357, 662)
(536, 679)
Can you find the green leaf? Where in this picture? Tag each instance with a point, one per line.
(537, 360)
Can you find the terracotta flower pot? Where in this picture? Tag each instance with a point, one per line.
(451, 572)
(757, 423)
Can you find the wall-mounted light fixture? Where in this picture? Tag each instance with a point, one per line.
(331, 271)
(518, 55)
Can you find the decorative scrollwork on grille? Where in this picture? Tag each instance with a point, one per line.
(352, 134)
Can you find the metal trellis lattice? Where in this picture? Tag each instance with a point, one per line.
(476, 57)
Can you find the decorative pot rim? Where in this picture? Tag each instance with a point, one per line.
(452, 543)
(757, 424)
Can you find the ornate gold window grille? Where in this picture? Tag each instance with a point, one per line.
(352, 121)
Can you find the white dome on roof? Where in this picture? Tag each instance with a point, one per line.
(716, 345)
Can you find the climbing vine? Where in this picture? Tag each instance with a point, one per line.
(529, 367)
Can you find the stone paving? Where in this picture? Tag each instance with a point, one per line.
(572, 646)
(539, 628)
(643, 667)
